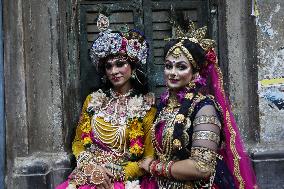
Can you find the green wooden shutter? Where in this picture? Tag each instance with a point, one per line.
(152, 17)
(126, 12)
(158, 27)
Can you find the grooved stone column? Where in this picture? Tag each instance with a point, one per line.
(34, 94)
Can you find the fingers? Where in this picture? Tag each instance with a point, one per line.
(150, 98)
(99, 186)
(146, 163)
(108, 172)
(107, 182)
(108, 175)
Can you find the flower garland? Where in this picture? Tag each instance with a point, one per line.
(136, 134)
(136, 146)
(134, 124)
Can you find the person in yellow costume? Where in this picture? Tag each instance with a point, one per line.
(113, 133)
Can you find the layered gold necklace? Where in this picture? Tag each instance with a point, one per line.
(110, 123)
(167, 114)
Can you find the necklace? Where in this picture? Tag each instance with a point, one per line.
(115, 113)
(111, 116)
(118, 95)
(172, 104)
(168, 114)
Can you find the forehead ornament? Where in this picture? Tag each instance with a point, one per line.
(176, 51)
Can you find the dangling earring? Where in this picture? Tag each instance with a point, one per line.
(103, 79)
(191, 85)
(133, 75)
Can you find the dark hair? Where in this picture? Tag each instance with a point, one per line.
(139, 83)
(195, 50)
(198, 55)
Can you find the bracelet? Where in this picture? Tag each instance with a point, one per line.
(204, 158)
(169, 169)
(205, 119)
(206, 135)
(86, 174)
(162, 169)
(153, 167)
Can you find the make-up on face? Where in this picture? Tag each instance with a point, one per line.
(178, 72)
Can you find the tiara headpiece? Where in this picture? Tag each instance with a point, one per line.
(130, 43)
(191, 33)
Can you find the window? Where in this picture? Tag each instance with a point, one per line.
(151, 17)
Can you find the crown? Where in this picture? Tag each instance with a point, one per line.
(130, 43)
(188, 30)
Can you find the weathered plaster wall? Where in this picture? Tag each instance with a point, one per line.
(270, 45)
(34, 64)
(42, 84)
(269, 152)
(241, 80)
(255, 53)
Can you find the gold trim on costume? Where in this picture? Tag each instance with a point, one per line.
(237, 158)
(206, 135)
(205, 119)
(205, 158)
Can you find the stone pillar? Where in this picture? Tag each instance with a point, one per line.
(269, 153)
(241, 79)
(255, 83)
(36, 100)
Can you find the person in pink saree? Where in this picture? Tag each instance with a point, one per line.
(195, 136)
(113, 133)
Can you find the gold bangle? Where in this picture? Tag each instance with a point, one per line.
(204, 157)
(206, 135)
(201, 166)
(205, 119)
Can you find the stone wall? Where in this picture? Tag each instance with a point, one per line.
(36, 105)
(270, 56)
(255, 83)
(42, 100)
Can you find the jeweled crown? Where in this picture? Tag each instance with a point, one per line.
(130, 43)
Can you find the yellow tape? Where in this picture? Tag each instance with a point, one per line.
(268, 82)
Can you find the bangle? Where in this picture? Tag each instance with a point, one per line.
(164, 166)
(169, 169)
(158, 168)
(153, 167)
(149, 167)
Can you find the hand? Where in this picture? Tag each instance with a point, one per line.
(150, 98)
(145, 164)
(107, 184)
(71, 186)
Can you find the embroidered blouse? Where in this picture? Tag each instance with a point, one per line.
(115, 131)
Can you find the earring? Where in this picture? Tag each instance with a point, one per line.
(103, 79)
(133, 75)
(191, 85)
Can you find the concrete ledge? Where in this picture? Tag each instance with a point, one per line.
(269, 168)
(42, 170)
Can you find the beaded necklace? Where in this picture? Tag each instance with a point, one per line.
(113, 116)
(165, 152)
(115, 113)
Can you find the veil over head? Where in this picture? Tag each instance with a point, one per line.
(211, 79)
